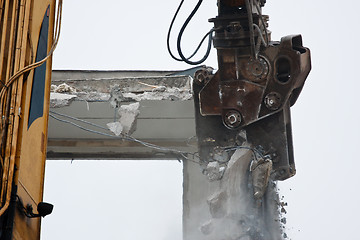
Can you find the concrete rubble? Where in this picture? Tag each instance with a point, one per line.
(62, 88)
(127, 121)
(60, 100)
(235, 212)
(260, 172)
(172, 88)
(213, 171)
(224, 206)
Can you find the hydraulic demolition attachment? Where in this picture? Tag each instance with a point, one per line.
(248, 100)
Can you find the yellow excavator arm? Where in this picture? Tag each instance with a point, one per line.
(27, 42)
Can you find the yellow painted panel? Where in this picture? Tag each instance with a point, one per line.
(31, 148)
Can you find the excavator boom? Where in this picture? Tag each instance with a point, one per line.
(27, 43)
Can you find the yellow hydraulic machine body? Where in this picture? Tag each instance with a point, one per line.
(27, 42)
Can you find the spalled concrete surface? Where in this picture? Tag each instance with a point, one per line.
(60, 99)
(164, 112)
(132, 88)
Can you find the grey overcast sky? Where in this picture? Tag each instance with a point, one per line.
(323, 197)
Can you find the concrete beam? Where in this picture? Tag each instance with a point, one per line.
(166, 114)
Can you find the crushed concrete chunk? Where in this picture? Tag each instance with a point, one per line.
(60, 99)
(128, 117)
(207, 228)
(130, 108)
(92, 96)
(260, 172)
(217, 204)
(63, 88)
(220, 155)
(159, 89)
(127, 121)
(116, 97)
(173, 94)
(115, 127)
(234, 211)
(213, 171)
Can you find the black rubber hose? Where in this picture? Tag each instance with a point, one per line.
(183, 58)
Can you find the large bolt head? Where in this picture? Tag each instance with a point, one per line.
(273, 101)
(257, 69)
(232, 119)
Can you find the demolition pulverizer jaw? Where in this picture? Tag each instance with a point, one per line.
(256, 83)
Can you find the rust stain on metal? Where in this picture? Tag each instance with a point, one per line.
(42, 142)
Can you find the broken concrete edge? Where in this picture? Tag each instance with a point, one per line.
(62, 74)
(174, 88)
(134, 84)
(122, 94)
(69, 74)
(109, 155)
